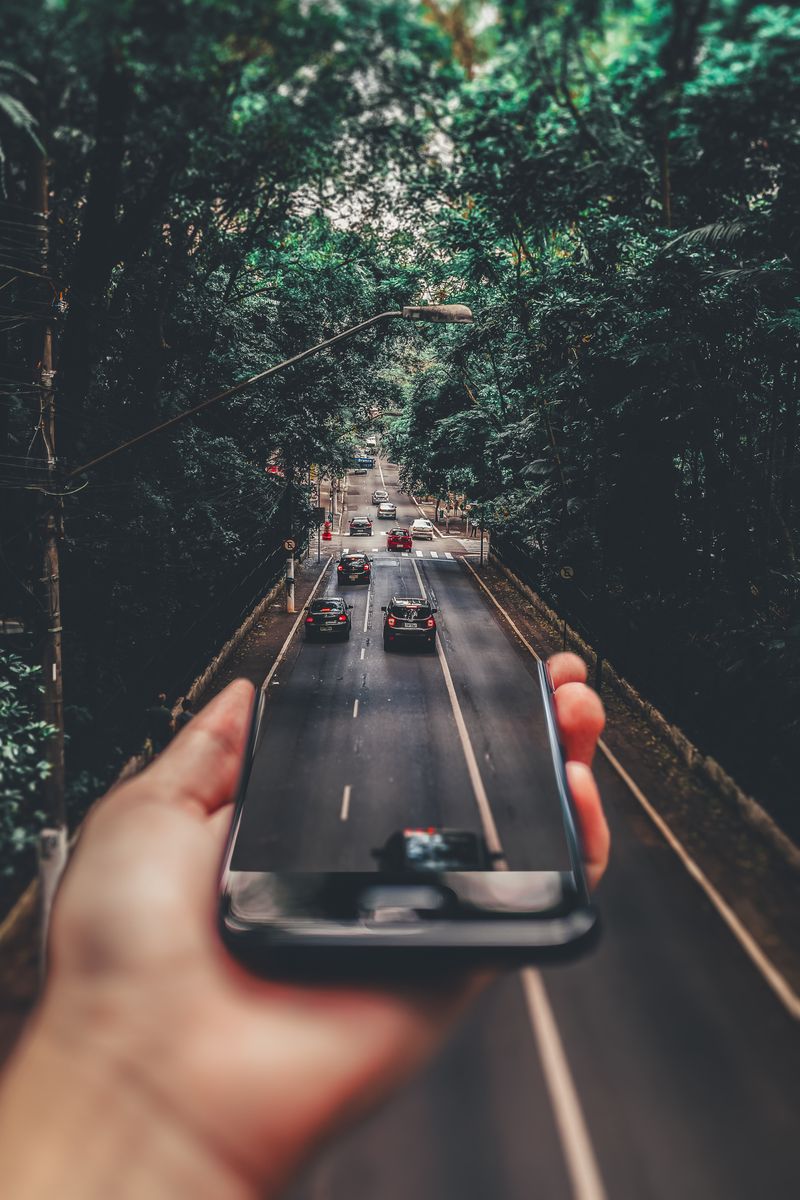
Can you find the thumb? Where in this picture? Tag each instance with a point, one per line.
(200, 768)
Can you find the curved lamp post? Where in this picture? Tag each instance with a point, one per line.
(457, 314)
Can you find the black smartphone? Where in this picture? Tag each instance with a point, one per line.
(426, 897)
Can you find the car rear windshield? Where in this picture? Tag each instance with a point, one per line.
(353, 560)
(410, 612)
(360, 521)
(324, 606)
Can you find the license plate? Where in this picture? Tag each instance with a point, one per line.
(352, 578)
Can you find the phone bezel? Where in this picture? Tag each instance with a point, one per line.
(330, 947)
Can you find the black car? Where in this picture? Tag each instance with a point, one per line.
(409, 620)
(360, 525)
(327, 618)
(354, 568)
(433, 849)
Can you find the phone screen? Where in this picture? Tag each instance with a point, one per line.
(405, 827)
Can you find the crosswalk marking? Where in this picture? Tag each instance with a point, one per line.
(394, 555)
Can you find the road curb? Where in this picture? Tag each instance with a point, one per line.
(704, 765)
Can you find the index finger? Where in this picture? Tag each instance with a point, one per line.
(579, 710)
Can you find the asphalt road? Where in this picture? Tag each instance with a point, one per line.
(661, 1066)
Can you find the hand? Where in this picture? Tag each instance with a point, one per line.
(199, 1079)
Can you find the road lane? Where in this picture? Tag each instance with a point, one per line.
(685, 1065)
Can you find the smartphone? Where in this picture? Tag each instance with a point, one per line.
(426, 897)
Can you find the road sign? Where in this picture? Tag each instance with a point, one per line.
(290, 544)
(567, 573)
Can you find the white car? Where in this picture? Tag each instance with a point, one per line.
(422, 528)
(387, 511)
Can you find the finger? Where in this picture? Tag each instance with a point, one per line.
(201, 767)
(581, 718)
(566, 668)
(595, 837)
(219, 824)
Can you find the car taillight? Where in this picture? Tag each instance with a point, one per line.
(430, 623)
(392, 621)
(340, 567)
(366, 566)
(309, 620)
(343, 617)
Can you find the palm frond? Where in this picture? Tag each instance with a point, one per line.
(718, 234)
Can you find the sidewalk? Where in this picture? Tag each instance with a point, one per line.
(256, 654)
(460, 527)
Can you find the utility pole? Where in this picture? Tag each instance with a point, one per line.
(289, 543)
(53, 839)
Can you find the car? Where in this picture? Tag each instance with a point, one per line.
(360, 526)
(422, 528)
(433, 849)
(328, 617)
(379, 495)
(354, 568)
(358, 470)
(398, 539)
(387, 511)
(409, 620)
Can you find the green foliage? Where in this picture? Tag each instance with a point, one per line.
(23, 760)
(624, 208)
(614, 188)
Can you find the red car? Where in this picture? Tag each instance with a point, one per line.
(398, 539)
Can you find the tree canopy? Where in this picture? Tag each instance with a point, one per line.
(615, 190)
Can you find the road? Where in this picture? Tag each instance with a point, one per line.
(661, 1066)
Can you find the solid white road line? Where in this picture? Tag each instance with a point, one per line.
(355, 708)
(487, 818)
(576, 1144)
(293, 630)
(769, 972)
(345, 809)
(363, 652)
(366, 607)
(380, 470)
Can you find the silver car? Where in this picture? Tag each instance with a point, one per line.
(422, 528)
(387, 511)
